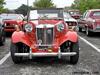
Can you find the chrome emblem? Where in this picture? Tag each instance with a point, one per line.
(39, 41)
(49, 31)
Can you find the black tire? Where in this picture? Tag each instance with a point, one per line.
(74, 48)
(14, 48)
(2, 42)
(80, 29)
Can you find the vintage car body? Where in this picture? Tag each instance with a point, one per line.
(72, 23)
(90, 21)
(10, 20)
(74, 13)
(2, 32)
(44, 36)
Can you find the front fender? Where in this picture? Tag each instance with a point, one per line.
(19, 36)
(69, 36)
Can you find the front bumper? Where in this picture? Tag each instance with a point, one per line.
(59, 54)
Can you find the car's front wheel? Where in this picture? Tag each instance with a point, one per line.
(79, 29)
(74, 48)
(71, 47)
(14, 48)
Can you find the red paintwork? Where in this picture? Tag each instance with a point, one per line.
(71, 36)
(76, 16)
(10, 25)
(60, 37)
(88, 20)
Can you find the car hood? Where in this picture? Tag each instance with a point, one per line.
(12, 21)
(53, 22)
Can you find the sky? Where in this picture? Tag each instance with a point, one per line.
(13, 4)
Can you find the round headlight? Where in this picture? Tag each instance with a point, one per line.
(28, 27)
(60, 27)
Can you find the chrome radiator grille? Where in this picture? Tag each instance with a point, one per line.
(45, 36)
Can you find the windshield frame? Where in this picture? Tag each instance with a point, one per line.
(45, 14)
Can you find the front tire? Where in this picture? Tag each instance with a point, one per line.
(80, 29)
(14, 48)
(74, 48)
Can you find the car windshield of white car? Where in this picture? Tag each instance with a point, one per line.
(67, 15)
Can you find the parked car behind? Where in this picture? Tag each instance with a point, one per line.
(2, 32)
(10, 20)
(74, 13)
(90, 21)
(44, 35)
(72, 23)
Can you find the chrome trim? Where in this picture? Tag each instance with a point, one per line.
(47, 26)
(59, 53)
(46, 54)
(30, 54)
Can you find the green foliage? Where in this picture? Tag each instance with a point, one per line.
(1, 6)
(43, 4)
(84, 5)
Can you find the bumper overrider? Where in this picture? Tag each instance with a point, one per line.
(59, 54)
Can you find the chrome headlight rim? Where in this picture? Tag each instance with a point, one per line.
(60, 27)
(28, 27)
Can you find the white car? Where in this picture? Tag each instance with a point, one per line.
(72, 23)
(69, 20)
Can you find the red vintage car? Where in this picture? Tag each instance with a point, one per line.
(90, 21)
(10, 20)
(44, 35)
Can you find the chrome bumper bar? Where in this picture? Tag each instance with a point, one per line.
(45, 54)
(59, 54)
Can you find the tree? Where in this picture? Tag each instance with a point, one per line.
(23, 9)
(43, 4)
(84, 5)
(1, 6)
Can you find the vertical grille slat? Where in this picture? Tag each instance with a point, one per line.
(45, 36)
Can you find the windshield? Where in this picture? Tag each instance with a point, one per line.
(66, 15)
(97, 13)
(11, 17)
(41, 14)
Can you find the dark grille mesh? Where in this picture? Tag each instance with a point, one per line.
(45, 36)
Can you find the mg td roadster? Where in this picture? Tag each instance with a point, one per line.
(45, 34)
